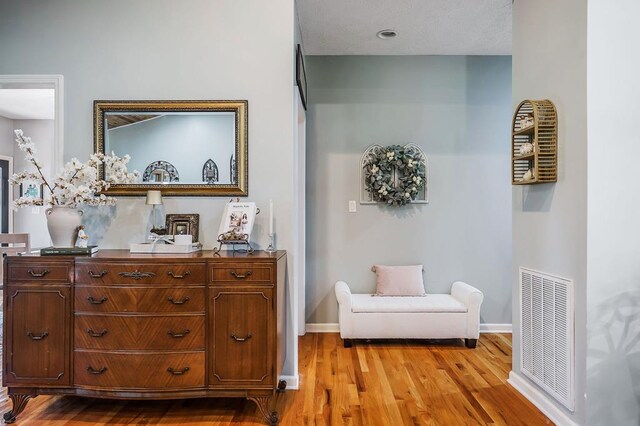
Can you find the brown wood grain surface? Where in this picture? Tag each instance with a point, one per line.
(378, 383)
(139, 370)
(171, 299)
(37, 331)
(136, 332)
(142, 273)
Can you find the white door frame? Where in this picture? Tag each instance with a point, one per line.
(299, 177)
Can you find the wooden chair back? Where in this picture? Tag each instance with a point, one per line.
(11, 245)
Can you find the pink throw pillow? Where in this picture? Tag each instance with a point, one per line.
(399, 280)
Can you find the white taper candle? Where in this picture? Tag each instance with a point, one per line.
(270, 216)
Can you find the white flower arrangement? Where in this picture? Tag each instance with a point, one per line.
(78, 182)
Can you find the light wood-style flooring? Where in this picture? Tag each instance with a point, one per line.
(373, 383)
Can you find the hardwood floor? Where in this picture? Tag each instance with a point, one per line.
(377, 383)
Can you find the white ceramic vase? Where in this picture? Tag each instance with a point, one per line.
(63, 222)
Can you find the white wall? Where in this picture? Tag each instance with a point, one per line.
(613, 275)
(6, 137)
(161, 49)
(550, 220)
(457, 109)
(185, 141)
(28, 219)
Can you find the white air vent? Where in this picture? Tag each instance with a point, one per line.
(547, 328)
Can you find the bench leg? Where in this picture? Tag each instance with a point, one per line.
(347, 343)
(470, 343)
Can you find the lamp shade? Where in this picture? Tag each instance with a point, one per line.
(154, 198)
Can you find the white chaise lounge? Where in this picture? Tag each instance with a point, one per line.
(435, 316)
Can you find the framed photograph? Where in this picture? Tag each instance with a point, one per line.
(238, 217)
(301, 76)
(184, 224)
(32, 189)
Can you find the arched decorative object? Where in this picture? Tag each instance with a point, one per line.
(365, 196)
(534, 143)
(210, 172)
(232, 170)
(160, 171)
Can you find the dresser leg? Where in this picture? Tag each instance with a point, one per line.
(263, 405)
(19, 401)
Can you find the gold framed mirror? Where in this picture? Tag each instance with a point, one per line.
(182, 148)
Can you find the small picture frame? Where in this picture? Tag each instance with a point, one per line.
(301, 76)
(32, 189)
(184, 224)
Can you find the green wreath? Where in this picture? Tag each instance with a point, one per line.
(394, 174)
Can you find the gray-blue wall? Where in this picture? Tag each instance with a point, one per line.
(458, 110)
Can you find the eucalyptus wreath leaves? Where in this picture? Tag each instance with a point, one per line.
(394, 174)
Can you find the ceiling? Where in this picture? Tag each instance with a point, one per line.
(425, 27)
(118, 120)
(27, 104)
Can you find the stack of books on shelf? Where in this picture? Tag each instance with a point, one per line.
(68, 251)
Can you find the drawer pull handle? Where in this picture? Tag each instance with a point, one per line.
(177, 372)
(240, 276)
(38, 274)
(92, 370)
(178, 302)
(96, 333)
(96, 302)
(97, 274)
(178, 335)
(176, 276)
(137, 275)
(240, 339)
(40, 337)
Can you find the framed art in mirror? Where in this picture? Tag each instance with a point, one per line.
(167, 139)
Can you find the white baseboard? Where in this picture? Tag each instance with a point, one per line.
(335, 328)
(495, 328)
(332, 327)
(293, 382)
(540, 400)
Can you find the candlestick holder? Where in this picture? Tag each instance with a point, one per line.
(272, 244)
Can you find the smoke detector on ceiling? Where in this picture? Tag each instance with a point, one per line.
(387, 34)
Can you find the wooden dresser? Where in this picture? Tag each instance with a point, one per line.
(137, 326)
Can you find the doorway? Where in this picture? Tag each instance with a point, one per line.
(32, 103)
(6, 218)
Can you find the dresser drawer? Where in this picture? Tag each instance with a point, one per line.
(139, 370)
(98, 299)
(140, 273)
(243, 272)
(40, 272)
(120, 332)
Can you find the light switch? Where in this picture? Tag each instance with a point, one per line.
(35, 210)
(352, 206)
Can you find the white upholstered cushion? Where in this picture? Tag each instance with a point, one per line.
(399, 280)
(431, 303)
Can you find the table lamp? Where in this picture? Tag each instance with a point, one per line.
(154, 198)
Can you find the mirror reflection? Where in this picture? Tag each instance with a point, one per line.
(205, 142)
(180, 147)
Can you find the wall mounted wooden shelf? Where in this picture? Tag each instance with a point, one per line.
(535, 123)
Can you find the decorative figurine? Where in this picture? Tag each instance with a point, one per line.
(525, 120)
(526, 148)
(83, 238)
